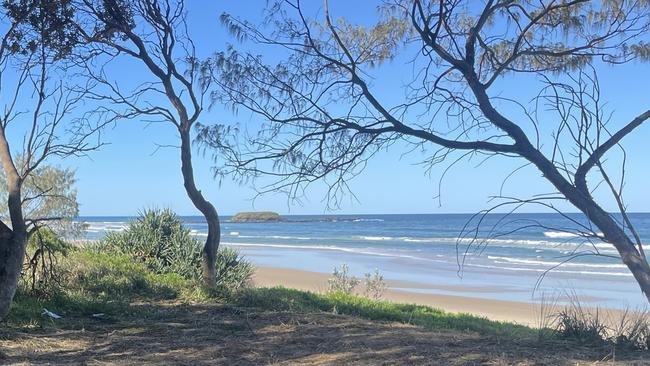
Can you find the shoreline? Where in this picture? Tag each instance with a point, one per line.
(501, 298)
(501, 310)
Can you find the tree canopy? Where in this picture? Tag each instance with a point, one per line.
(324, 115)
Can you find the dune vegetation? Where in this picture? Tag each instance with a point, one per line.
(118, 311)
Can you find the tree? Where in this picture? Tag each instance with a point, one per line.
(324, 117)
(38, 123)
(153, 34)
(49, 199)
(50, 207)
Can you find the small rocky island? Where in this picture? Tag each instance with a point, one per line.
(264, 216)
(269, 216)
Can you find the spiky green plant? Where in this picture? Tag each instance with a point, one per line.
(159, 239)
(233, 270)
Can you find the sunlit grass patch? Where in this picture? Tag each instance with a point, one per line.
(285, 299)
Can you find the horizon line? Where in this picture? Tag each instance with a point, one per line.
(381, 214)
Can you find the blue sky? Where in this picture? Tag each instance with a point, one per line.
(130, 173)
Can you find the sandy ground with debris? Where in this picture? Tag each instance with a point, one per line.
(216, 335)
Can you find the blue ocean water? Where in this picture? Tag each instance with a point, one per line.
(520, 257)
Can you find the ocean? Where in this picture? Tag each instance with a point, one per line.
(521, 257)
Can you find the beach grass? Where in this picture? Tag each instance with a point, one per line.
(118, 302)
(108, 284)
(286, 299)
(102, 283)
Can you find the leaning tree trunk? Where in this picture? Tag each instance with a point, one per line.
(632, 257)
(204, 206)
(638, 266)
(612, 231)
(581, 199)
(12, 253)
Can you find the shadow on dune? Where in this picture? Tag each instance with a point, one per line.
(211, 334)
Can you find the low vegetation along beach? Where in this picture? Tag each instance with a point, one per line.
(160, 319)
(419, 182)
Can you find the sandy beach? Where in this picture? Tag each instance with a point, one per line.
(519, 312)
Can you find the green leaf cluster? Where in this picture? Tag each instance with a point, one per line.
(160, 241)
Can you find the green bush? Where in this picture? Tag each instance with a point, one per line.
(576, 323)
(46, 237)
(630, 329)
(92, 281)
(342, 281)
(45, 249)
(160, 241)
(233, 270)
(110, 276)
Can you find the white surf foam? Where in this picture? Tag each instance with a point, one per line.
(363, 251)
(376, 238)
(569, 235)
(547, 263)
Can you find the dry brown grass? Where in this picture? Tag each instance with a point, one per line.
(212, 334)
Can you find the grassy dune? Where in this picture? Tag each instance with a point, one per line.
(115, 311)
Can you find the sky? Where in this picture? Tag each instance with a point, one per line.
(131, 173)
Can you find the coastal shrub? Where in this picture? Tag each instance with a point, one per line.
(94, 280)
(234, 272)
(45, 249)
(632, 331)
(342, 281)
(626, 330)
(374, 284)
(574, 322)
(117, 277)
(97, 282)
(159, 240)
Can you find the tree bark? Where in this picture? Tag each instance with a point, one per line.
(12, 252)
(614, 234)
(638, 266)
(12, 241)
(612, 231)
(204, 206)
